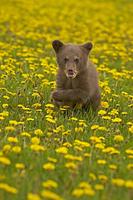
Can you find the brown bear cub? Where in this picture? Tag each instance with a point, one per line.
(77, 78)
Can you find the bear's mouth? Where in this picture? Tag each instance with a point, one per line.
(71, 73)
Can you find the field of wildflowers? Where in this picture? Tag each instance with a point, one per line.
(52, 154)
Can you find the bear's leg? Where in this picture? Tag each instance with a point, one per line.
(95, 101)
(70, 95)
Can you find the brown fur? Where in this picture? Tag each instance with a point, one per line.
(77, 78)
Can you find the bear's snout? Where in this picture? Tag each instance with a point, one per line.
(70, 71)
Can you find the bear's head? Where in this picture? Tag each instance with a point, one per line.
(71, 58)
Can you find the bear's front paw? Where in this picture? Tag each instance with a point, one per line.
(56, 95)
(58, 103)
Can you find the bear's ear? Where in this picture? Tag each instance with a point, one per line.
(57, 45)
(87, 46)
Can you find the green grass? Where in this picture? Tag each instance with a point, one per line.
(27, 77)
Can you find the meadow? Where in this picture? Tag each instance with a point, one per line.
(62, 154)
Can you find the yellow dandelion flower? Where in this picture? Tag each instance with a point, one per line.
(49, 166)
(118, 138)
(89, 192)
(13, 122)
(102, 112)
(71, 157)
(50, 184)
(92, 176)
(113, 167)
(84, 184)
(4, 160)
(129, 183)
(49, 105)
(30, 119)
(129, 123)
(12, 139)
(130, 166)
(106, 117)
(94, 127)
(95, 139)
(10, 128)
(54, 160)
(37, 147)
(79, 129)
(78, 148)
(35, 94)
(114, 151)
(110, 150)
(67, 144)
(6, 147)
(4, 114)
(82, 123)
(117, 120)
(6, 97)
(32, 196)
(131, 129)
(36, 105)
(82, 144)
(101, 162)
(74, 119)
(19, 165)
(51, 120)
(103, 178)
(50, 195)
(129, 151)
(35, 140)
(38, 132)
(5, 105)
(104, 104)
(8, 188)
(113, 112)
(1, 118)
(62, 150)
(118, 182)
(102, 128)
(25, 134)
(16, 149)
(87, 155)
(130, 156)
(99, 146)
(78, 192)
(99, 187)
(71, 165)
(124, 113)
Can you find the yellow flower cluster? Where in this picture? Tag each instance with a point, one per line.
(58, 153)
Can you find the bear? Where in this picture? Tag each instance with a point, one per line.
(77, 77)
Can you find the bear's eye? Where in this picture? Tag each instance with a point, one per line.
(76, 60)
(66, 59)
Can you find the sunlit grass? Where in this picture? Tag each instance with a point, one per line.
(50, 153)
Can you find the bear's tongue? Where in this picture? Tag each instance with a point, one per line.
(70, 72)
